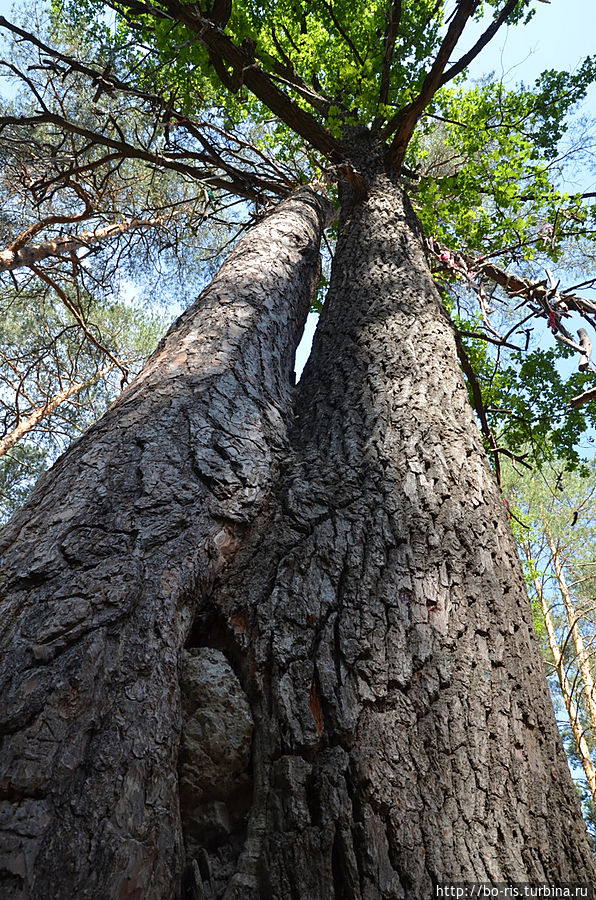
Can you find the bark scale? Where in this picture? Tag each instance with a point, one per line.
(102, 571)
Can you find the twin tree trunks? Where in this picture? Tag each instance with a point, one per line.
(273, 642)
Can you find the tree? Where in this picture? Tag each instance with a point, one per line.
(266, 642)
(557, 540)
(88, 239)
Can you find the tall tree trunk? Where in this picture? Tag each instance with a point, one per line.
(378, 620)
(102, 571)
(583, 657)
(364, 707)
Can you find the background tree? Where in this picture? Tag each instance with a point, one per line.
(556, 534)
(335, 563)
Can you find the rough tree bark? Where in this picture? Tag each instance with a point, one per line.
(364, 708)
(101, 574)
(380, 628)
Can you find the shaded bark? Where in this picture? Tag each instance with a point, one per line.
(102, 571)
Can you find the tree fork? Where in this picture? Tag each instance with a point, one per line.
(104, 568)
(403, 730)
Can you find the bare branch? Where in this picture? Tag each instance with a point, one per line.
(552, 304)
(108, 82)
(62, 246)
(24, 238)
(499, 342)
(244, 185)
(586, 345)
(583, 398)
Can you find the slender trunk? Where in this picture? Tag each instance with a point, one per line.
(102, 571)
(379, 624)
(583, 657)
(566, 688)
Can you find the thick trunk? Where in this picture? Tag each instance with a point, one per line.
(364, 708)
(403, 730)
(102, 571)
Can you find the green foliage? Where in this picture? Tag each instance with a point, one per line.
(19, 471)
(336, 48)
(490, 183)
(43, 352)
(527, 401)
(494, 185)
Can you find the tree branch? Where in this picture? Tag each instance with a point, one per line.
(14, 258)
(244, 184)
(26, 425)
(480, 44)
(404, 122)
(478, 402)
(23, 239)
(107, 82)
(255, 78)
(342, 31)
(79, 319)
(552, 303)
(499, 342)
(391, 32)
(583, 398)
